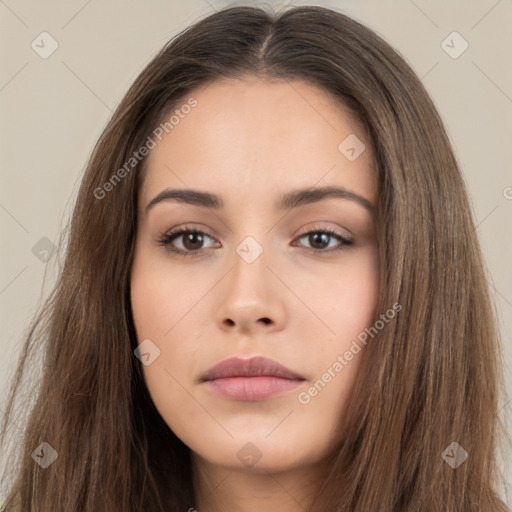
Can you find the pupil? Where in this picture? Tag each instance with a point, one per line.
(321, 237)
(190, 238)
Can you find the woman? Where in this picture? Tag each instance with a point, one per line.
(273, 296)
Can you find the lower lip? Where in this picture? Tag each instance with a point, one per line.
(252, 389)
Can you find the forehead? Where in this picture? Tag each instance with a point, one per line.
(252, 137)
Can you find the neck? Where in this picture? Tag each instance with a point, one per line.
(222, 489)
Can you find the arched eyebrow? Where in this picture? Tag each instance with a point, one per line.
(305, 196)
(288, 201)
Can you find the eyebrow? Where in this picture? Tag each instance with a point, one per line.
(287, 201)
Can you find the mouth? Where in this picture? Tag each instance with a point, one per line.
(254, 379)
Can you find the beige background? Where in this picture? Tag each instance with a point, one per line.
(53, 110)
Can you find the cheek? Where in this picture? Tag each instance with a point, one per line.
(356, 292)
(343, 296)
(157, 309)
(162, 307)
(347, 304)
(160, 297)
(166, 304)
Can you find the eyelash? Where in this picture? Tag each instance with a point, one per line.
(167, 238)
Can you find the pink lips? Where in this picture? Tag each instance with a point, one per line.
(252, 379)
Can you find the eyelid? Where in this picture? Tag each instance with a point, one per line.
(166, 238)
(323, 228)
(333, 233)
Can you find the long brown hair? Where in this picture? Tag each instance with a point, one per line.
(433, 377)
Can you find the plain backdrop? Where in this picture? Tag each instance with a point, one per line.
(53, 109)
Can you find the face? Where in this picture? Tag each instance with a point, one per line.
(295, 282)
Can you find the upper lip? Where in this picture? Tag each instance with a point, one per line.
(253, 367)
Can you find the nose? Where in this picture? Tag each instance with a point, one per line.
(250, 298)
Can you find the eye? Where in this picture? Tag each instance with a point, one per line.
(192, 241)
(319, 239)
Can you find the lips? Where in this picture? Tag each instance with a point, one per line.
(254, 367)
(250, 380)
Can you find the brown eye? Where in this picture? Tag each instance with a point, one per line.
(192, 241)
(320, 239)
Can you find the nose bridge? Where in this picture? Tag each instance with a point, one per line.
(252, 250)
(250, 274)
(249, 294)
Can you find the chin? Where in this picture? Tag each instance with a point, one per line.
(256, 454)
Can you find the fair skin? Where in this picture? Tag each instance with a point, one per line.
(250, 141)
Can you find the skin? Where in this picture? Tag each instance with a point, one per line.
(250, 141)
